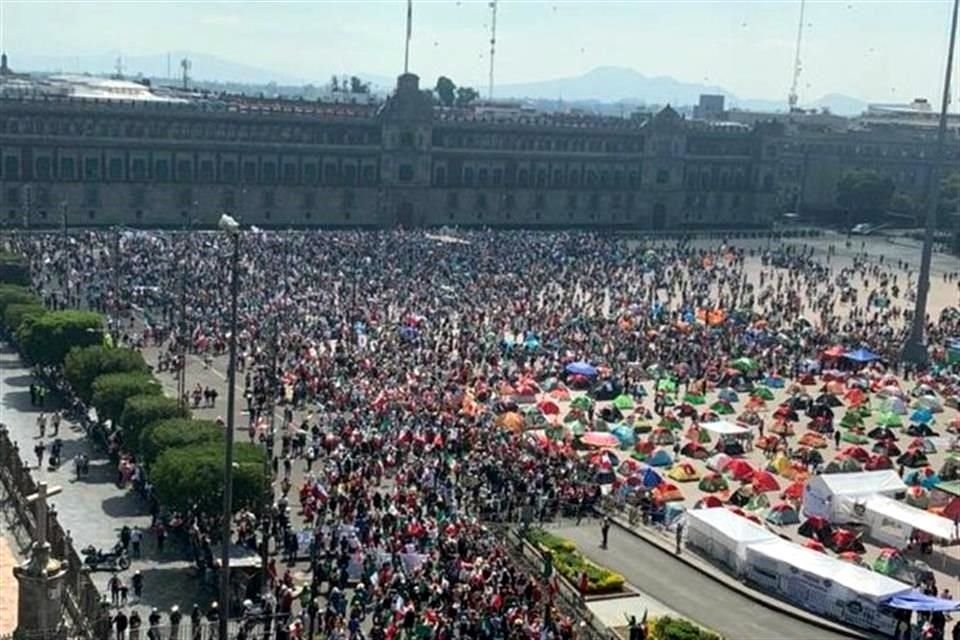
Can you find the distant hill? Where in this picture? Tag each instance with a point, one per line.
(609, 85)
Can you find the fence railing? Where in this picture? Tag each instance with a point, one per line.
(82, 598)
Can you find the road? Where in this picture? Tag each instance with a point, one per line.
(686, 590)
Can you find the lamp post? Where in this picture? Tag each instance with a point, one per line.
(915, 349)
(232, 228)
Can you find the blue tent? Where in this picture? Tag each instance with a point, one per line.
(921, 415)
(861, 355)
(624, 434)
(918, 601)
(661, 458)
(650, 478)
(581, 369)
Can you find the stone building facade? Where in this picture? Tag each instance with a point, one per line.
(405, 162)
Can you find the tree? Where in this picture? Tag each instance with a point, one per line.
(84, 365)
(141, 411)
(466, 95)
(14, 294)
(358, 86)
(334, 84)
(446, 91)
(184, 477)
(14, 269)
(177, 432)
(15, 314)
(865, 194)
(949, 200)
(111, 390)
(49, 338)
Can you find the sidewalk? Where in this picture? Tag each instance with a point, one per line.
(93, 510)
(8, 588)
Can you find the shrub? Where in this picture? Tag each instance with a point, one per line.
(15, 314)
(85, 364)
(111, 390)
(176, 433)
(14, 269)
(186, 476)
(667, 628)
(571, 564)
(14, 294)
(143, 410)
(48, 338)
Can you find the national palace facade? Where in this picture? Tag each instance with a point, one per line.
(286, 163)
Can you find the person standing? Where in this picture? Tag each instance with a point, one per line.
(175, 618)
(161, 537)
(137, 582)
(604, 532)
(679, 537)
(120, 622)
(136, 537)
(114, 585)
(39, 450)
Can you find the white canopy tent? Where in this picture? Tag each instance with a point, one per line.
(892, 522)
(724, 536)
(835, 495)
(724, 428)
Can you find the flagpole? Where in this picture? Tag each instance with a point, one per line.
(406, 50)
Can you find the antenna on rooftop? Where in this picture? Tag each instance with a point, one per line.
(493, 43)
(118, 68)
(793, 99)
(185, 65)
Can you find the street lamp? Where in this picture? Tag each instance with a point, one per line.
(232, 228)
(915, 350)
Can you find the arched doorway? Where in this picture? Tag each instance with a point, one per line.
(659, 217)
(405, 214)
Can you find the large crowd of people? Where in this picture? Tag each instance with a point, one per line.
(390, 357)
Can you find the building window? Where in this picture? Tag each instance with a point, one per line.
(369, 174)
(440, 176)
(138, 169)
(267, 215)
(497, 177)
(482, 177)
(228, 171)
(13, 196)
(290, 173)
(350, 174)
(249, 171)
(663, 176)
(574, 178)
(594, 202)
(91, 169)
(138, 215)
(310, 173)
(557, 178)
(405, 173)
(206, 170)
(184, 171)
(468, 176)
(11, 168)
(43, 168)
(406, 139)
(616, 201)
(116, 169)
(91, 214)
(68, 169)
(161, 170)
(269, 172)
(523, 178)
(331, 173)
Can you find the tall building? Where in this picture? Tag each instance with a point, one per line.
(116, 152)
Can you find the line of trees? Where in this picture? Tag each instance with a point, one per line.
(348, 84)
(184, 456)
(867, 195)
(450, 95)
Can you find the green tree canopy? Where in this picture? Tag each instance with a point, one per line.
(865, 194)
(466, 95)
(446, 91)
(175, 433)
(15, 314)
(111, 390)
(50, 337)
(83, 365)
(15, 294)
(141, 411)
(187, 476)
(14, 269)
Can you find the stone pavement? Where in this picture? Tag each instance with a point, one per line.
(93, 510)
(8, 587)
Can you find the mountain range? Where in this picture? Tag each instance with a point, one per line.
(600, 85)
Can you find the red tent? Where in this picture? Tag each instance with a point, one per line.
(709, 502)
(835, 351)
(739, 469)
(952, 510)
(859, 454)
(794, 491)
(763, 482)
(548, 407)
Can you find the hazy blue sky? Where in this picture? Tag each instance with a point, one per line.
(880, 50)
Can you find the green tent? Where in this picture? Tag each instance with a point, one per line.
(695, 399)
(722, 408)
(889, 420)
(576, 428)
(744, 364)
(582, 402)
(854, 438)
(623, 402)
(851, 419)
(668, 385)
(764, 393)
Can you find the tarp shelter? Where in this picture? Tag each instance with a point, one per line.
(822, 584)
(724, 536)
(833, 496)
(724, 428)
(581, 369)
(892, 522)
(861, 355)
(919, 601)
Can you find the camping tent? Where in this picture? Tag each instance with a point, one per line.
(723, 535)
(833, 496)
(829, 585)
(782, 514)
(892, 522)
(724, 428)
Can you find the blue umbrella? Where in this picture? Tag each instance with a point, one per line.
(581, 369)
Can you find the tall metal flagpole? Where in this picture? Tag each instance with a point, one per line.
(406, 50)
(915, 350)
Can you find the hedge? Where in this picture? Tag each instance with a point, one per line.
(189, 476)
(14, 294)
(15, 314)
(176, 433)
(571, 564)
(83, 365)
(143, 410)
(667, 628)
(111, 390)
(14, 269)
(48, 338)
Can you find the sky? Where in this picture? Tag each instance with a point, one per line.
(890, 51)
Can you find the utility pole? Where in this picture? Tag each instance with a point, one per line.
(493, 45)
(915, 350)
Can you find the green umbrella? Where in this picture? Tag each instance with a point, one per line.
(744, 364)
(623, 402)
(582, 402)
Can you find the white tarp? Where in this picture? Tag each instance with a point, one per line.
(892, 522)
(723, 535)
(824, 495)
(822, 584)
(724, 428)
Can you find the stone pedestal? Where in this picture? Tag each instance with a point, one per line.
(42, 581)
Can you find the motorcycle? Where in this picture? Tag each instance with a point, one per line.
(99, 560)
